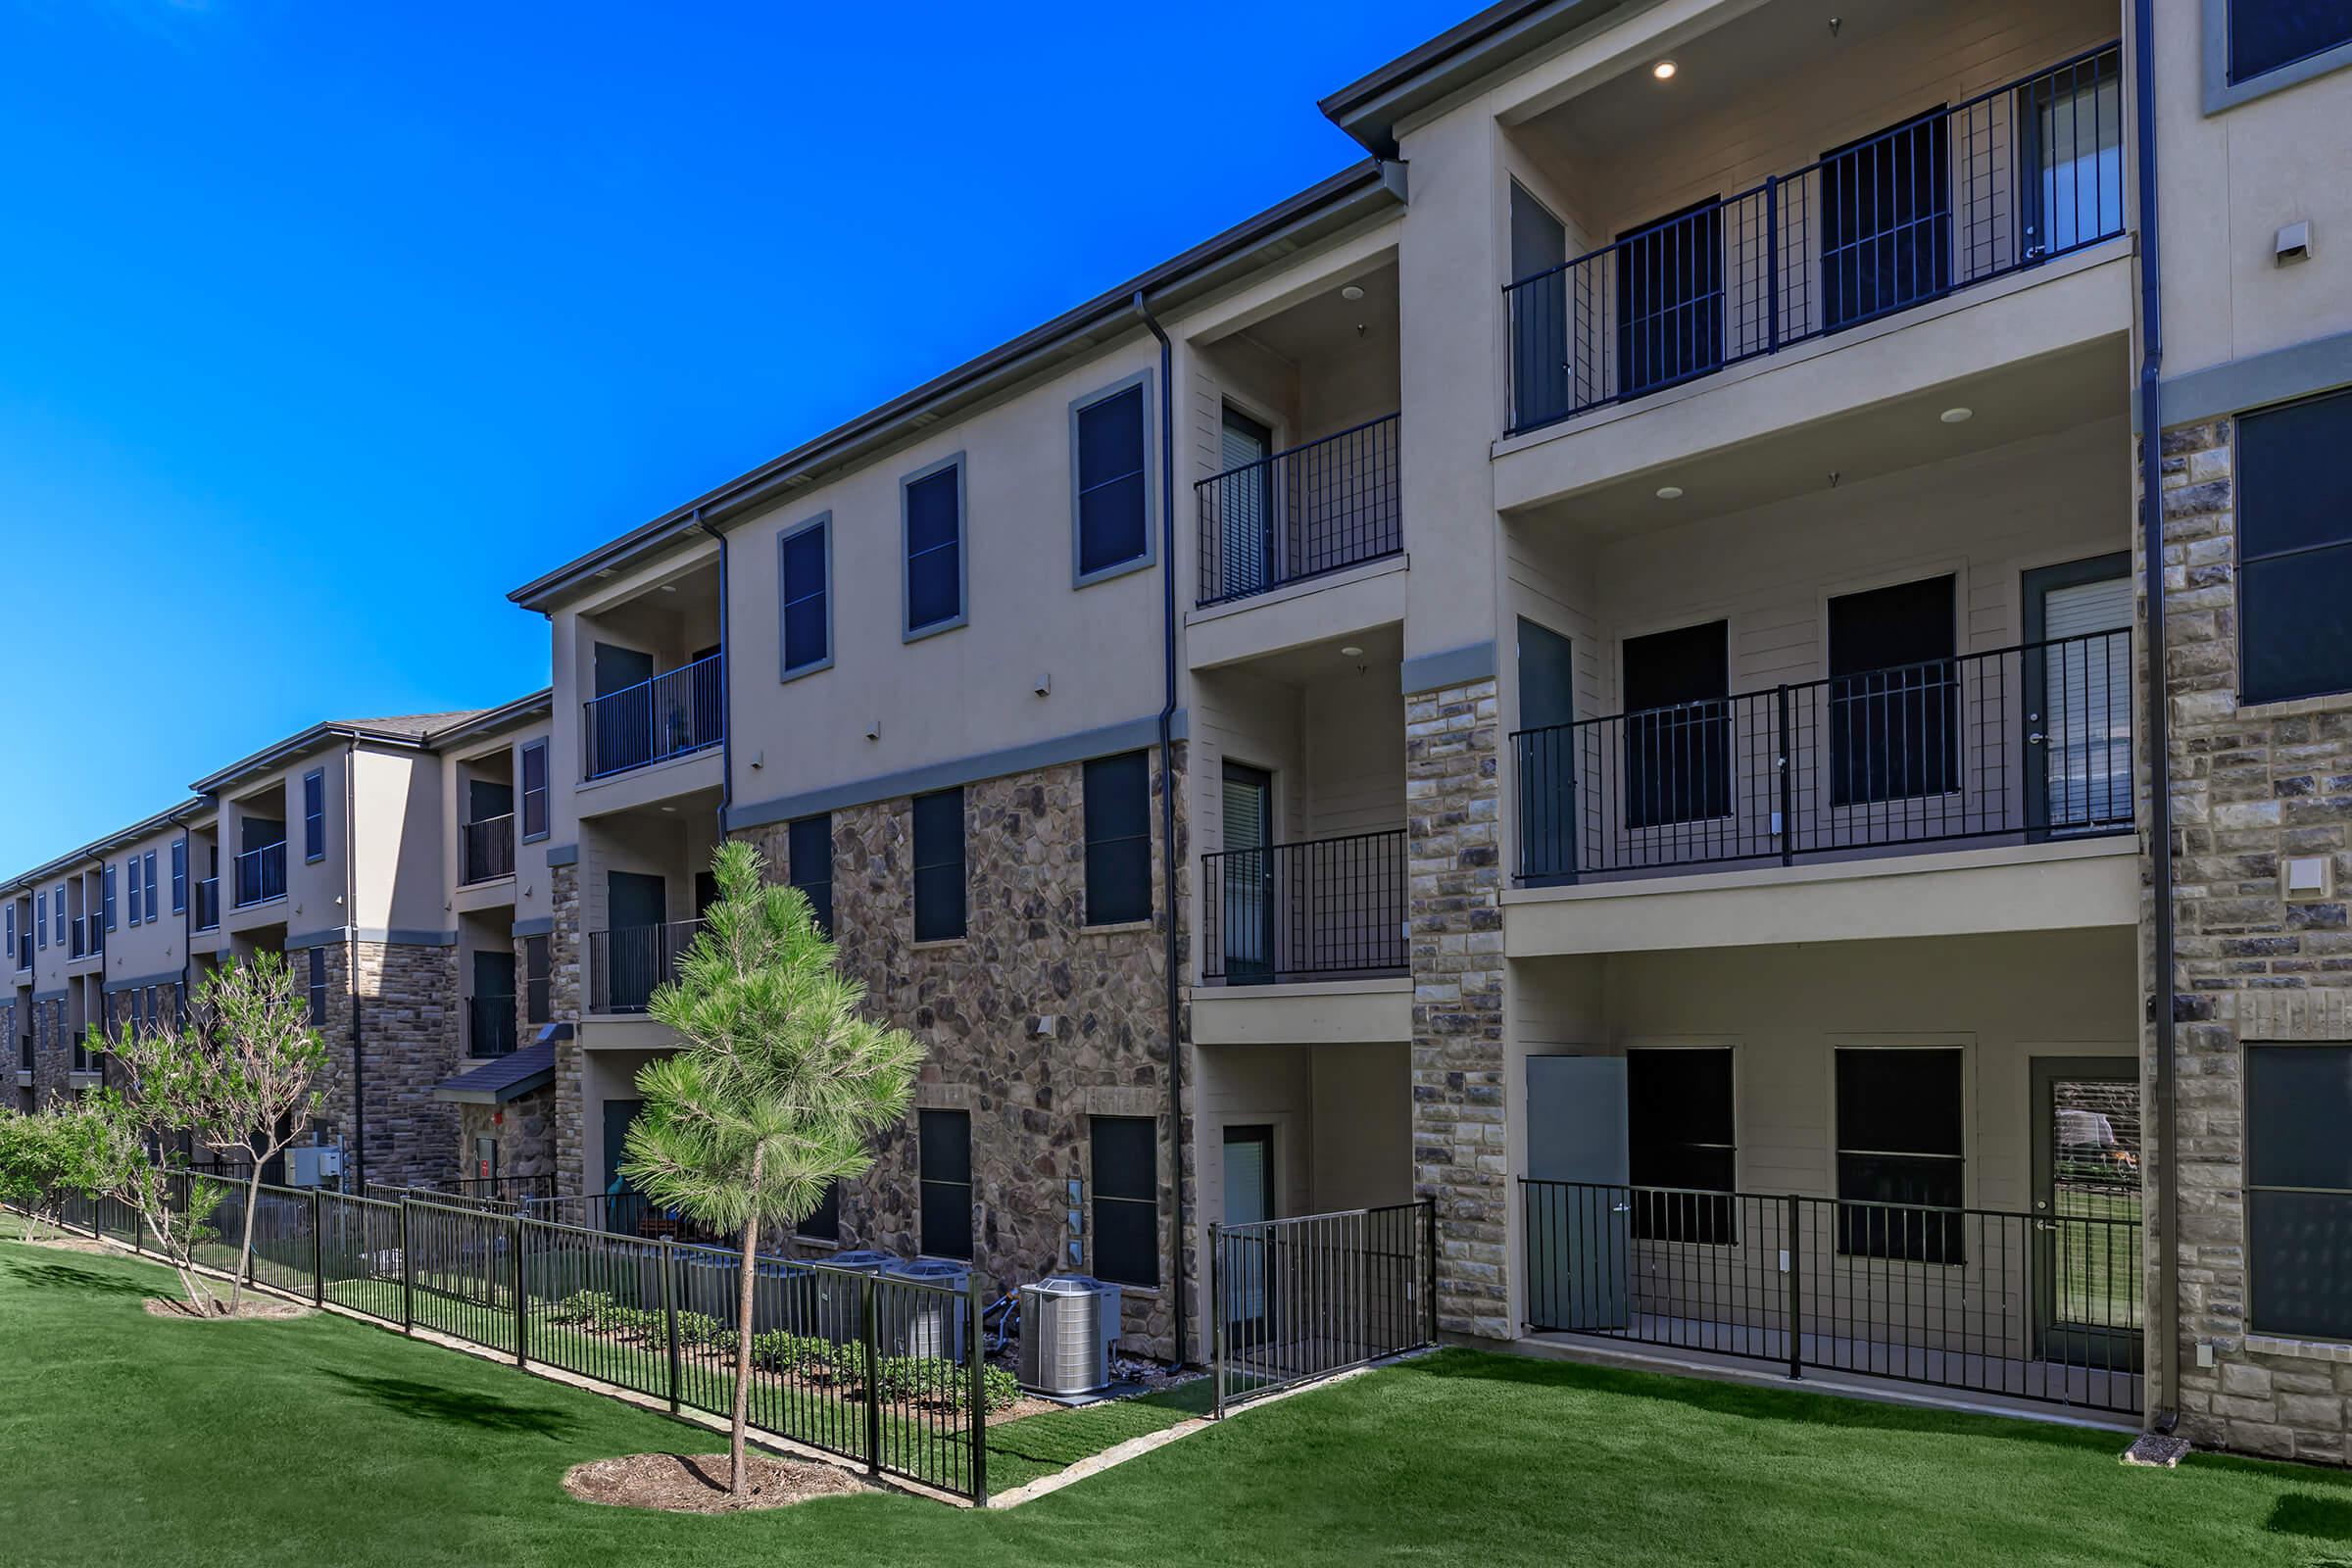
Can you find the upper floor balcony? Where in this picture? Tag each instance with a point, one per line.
(1322, 909)
(652, 720)
(261, 875)
(486, 848)
(1786, 184)
(629, 963)
(1282, 518)
(208, 904)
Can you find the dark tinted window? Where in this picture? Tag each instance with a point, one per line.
(317, 987)
(314, 816)
(2299, 1190)
(825, 1225)
(1678, 729)
(939, 866)
(179, 876)
(808, 862)
(1118, 838)
(807, 628)
(534, 790)
(934, 548)
(1895, 693)
(944, 1152)
(2294, 546)
(2265, 34)
(1113, 497)
(108, 896)
(1679, 1135)
(538, 970)
(1900, 1147)
(1126, 1193)
(147, 884)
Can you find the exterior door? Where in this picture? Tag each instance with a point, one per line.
(623, 1207)
(1547, 755)
(2087, 1211)
(1670, 299)
(490, 1010)
(1246, 509)
(1249, 878)
(634, 907)
(2077, 699)
(1249, 1261)
(1540, 334)
(1579, 1207)
(621, 729)
(1886, 222)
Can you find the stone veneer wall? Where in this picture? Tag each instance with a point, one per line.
(52, 1056)
(410, 1023)
(2248, 787)
(977, 1002)
(566, 1001)
(1452, 796)
(524, 1129)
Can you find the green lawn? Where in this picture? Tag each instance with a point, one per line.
(129, 1440)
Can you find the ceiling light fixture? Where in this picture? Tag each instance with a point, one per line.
(1957, 415)
(1350, 651)
(1663, 70)
(1670, 492)
(1353, 292)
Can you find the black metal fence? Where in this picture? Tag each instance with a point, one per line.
(885, 1371)
(1300, 512)
(626, 966)
(1952, 198)
(2033, 740)
(681, 711)
(208, 903)
(1324, 907)
(490, 1027)
(2042, 1306)
(486, 848)
(1300, 1298)
(623, 1214)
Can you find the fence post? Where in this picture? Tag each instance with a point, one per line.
(1797, 1293)
(873, 1375)
(408, 1274)
(669, 1316)
(1772, 263)
(1788, 768)
(979, 1376)
(1430, 1316)
(1217, 1322)
(522, 1297)
(318, 1250)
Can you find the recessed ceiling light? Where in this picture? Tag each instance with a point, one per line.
(1350, 651)
(1670, 492)
(1663, 70)
(1957, 415)
(1351, 293)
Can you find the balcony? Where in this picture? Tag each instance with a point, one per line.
(1320, 909)
(486, 850)
(2027, 743)
(1298, 513)
(1953, 198)
(208, 904)
(626, 966)
(672, 714)
(489, 1026)
(261, 875)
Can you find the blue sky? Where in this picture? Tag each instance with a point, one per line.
(324, 325)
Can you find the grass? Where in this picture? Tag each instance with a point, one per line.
(131, 1439)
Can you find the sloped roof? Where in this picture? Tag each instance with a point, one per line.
(504, 1078)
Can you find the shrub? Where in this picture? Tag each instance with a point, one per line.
(943, 1384)
(580, 1307)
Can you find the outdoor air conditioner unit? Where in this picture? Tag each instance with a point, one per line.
(840, 1295)
(313, 1164)
(1068, 1324)
(925, 1322)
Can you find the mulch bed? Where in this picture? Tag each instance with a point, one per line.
(73, 1244)
(252, 1310)
(681, 1483)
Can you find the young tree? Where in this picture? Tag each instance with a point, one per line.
(120, 1142)
(237, 1078)
(37, 1167)
(778, 1091)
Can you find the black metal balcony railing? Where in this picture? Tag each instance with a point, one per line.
(208, 904)
(489, 1026)
(1326, 906)
(1313, 508)
(262, 875)
(77, 941)
(2033, 740)
(626, 966)
(682, 711)
(1953, 198)
(486, 848)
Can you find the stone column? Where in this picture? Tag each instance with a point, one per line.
(566, 1002)
(1453, 786)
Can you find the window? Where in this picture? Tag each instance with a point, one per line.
(944, 1155)
(59, 908)
(147, 877)
(40, 918)
(534, 791)
(939, 867)
(105, 895)
(2295, 550)
(2072, 122)
(1126, 1198)
(314, 816)
(11, 930)
(1110, 483)
(1118, 838)
(538, 970)
(2267, 35)
(1679, 1135)
(1901, 1142)
(808, 860)
(1894, 694)
(1677, 727)
(823, 1225)
(134, 912)
(179, 876)
(931, 521)
(805, 590)
(317, 987)
(1886, 220)
(2299, 1190)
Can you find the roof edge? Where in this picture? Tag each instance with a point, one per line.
(299, 744)
(1369, 107)
(521, 708)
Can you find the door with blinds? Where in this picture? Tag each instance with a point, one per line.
(1249, 876)
(1246, 509)
(2077, 708)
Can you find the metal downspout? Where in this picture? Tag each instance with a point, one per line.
(726, 687)
(351, 965)
(2160, 816)
(1167, 781)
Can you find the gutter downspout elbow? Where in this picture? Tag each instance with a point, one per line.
(1167, 795)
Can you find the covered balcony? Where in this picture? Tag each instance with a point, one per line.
(1788, 178)
(644, 881)
(654, 664)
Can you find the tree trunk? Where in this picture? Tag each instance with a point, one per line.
(253, 1197)
(737, 1481)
